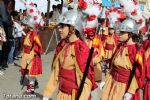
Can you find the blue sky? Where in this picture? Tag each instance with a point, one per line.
(42, 5)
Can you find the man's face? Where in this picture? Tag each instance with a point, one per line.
(123, 36)
(63, 30)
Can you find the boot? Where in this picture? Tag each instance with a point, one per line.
(30, 89)
(36, 84)
(0, 58)
(1, 64)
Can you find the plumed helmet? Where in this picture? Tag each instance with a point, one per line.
(33, 17)
(112, 25)
(129, 25)
(72, 17)
(28, 20)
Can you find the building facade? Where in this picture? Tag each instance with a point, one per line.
(145, 5)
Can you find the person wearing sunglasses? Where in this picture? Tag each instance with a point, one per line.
(69, 61)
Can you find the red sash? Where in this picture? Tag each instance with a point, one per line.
(120, 74)
(27, 49)
(109, 46)
(67, 80)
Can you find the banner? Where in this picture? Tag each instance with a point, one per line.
(106, 3)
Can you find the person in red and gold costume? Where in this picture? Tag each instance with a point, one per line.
(97, 56)
(31, 63)
(69, 61)
(122, 81)
(110, 43)
(32, 50)
(147, 71)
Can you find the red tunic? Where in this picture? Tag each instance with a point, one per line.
(132, 50)
(147, 74)
(81, 53)
(37, 61)
(35, 46)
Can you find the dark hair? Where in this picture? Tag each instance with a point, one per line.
(20, 10)
(14, 13)
(110, 28)
(35, 4)
(78, 34)
(24, 10)
(6, 2)
(149, 37)
(137, 38)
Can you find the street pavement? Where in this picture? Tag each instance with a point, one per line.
(10, 88)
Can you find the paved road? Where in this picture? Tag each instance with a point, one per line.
(10, 88)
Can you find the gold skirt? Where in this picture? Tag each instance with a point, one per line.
(113, 90)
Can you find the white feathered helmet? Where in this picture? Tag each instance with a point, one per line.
(33, 17)
(129, 25)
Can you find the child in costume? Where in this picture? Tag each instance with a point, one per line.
(119, 83)
(69, 61)
(31, 63)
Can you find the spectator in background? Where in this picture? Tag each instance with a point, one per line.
(11, 45)
(43, 15)
(20, 14)
(2, 32)
(24, 12)
(8, 28)
(35, 5)
(18, 34)
(20, 10)
(2, 39)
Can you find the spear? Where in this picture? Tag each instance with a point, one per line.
(23, 77)
(48, 9)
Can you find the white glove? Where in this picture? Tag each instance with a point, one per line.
(127, 96)
(45, 98)
(28, 61)
(101, 85)
(1, 73)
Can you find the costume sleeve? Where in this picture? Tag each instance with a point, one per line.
(37, 45)
(137, 81)
(52, 82)
(140, 70)
(133, 85)
(97, 62)
(82, 53)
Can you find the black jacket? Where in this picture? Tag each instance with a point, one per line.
(6, 21)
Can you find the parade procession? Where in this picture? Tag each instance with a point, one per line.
(75, 50)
